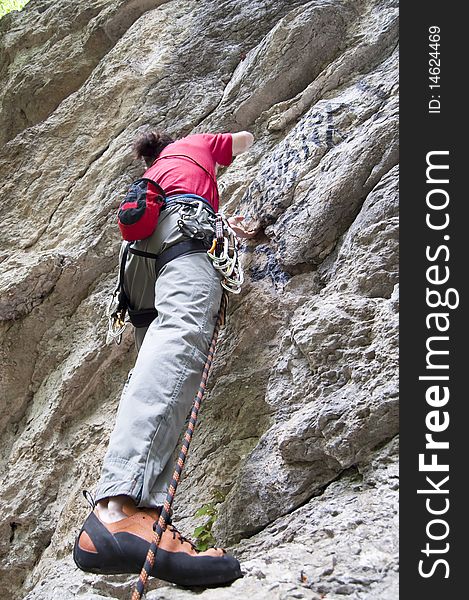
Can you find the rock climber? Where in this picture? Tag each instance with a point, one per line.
(172, 350)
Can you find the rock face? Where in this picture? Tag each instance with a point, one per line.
(299, 428)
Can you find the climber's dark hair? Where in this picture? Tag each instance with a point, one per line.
(149, 144)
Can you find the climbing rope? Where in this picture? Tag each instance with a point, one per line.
(160, 525)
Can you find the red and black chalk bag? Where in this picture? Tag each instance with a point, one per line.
(139, 210)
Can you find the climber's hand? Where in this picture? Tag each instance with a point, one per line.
(239, 228)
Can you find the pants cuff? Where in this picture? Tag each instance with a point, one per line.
(117, 489)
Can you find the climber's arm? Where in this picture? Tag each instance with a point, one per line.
(242, 141)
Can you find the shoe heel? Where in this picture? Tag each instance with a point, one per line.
(86, 561)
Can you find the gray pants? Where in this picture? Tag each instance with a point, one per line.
(172, 351)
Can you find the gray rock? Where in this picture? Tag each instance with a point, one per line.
(298, 429)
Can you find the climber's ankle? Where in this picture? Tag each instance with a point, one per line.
(111, 510)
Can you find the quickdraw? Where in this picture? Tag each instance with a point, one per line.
(225, 257)
(189, 222)
(117, 320)
(118, 306)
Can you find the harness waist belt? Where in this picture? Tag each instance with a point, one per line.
(179, 249)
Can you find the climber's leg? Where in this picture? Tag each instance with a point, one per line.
(151, 414)
(164, 382)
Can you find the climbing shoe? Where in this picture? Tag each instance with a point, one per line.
(121, 547)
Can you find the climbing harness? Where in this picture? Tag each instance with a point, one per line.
(198, 239)
(138, 217)
(225, 256)
(223, 251)
(160, 525)
(191, 208)
(119, 311)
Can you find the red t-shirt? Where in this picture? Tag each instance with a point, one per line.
(179, 175)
